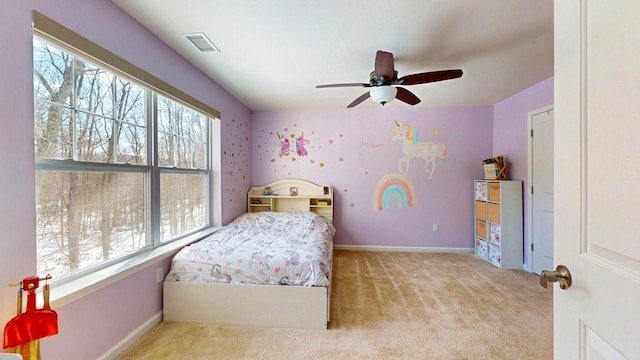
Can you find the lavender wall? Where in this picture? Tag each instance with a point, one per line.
(510, 125)
(93, 324)
(353, 151)
(510, 133)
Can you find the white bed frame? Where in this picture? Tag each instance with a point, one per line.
(273, 306)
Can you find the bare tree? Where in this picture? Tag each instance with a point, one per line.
(91, 132)
(88, 114)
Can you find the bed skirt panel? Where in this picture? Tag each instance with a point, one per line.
(273, 306)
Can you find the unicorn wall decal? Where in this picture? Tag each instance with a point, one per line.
(300, 143)
(290, 147)
(284, 145)
(413, 147)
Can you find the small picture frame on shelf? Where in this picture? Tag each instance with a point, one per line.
(325, 189)
(293, 191)
(266, 191)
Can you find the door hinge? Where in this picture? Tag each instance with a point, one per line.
(532, 190)
(531, 132)
(531, 246)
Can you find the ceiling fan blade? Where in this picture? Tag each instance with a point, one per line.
(343, 85)
(357, 101)
(384, 64)
(407, 96)
(428, 77)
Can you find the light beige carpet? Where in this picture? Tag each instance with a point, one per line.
(390, 305)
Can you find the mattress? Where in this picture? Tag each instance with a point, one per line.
(267, 248)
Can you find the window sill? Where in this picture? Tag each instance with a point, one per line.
(76, 289)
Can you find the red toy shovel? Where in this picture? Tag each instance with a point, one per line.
(35, 323)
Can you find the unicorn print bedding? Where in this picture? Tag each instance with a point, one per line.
(270, 248)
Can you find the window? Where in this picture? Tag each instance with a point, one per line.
(182, 144)
(119, 167)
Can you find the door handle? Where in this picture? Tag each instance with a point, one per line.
(561, 275)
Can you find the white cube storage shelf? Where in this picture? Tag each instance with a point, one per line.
(498, 222)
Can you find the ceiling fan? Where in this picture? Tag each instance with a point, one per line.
(383, 82)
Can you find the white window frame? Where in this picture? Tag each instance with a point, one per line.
(86, 281)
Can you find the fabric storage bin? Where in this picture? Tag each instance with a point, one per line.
(481, 229)
(494, 255)
(482, 248)
(493, 212)
(494, 191)
(481, 190)
(481, 210)
(494, 233)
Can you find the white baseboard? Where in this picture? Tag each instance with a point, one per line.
(403, 249)
(134, 336)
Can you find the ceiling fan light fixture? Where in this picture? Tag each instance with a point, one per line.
(383, 78)
(383, 94)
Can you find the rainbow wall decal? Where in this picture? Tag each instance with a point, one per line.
(394, 190)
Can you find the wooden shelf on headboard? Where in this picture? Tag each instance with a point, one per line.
(310, 197)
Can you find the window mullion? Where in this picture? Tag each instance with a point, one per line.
(153, 190)
(114, 117)
(74, 109)
(209, 166)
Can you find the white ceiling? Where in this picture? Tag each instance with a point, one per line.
(274, 52)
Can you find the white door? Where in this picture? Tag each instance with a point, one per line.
(597, 177)
(541, 193)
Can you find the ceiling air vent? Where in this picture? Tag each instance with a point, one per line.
(202, 42)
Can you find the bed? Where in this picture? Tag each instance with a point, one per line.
(270, 267)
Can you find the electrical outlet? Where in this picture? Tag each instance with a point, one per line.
(159, 274)
(435, 227)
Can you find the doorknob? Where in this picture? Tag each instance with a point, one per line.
(561, 275)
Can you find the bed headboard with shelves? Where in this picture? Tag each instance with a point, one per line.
(292, 195)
